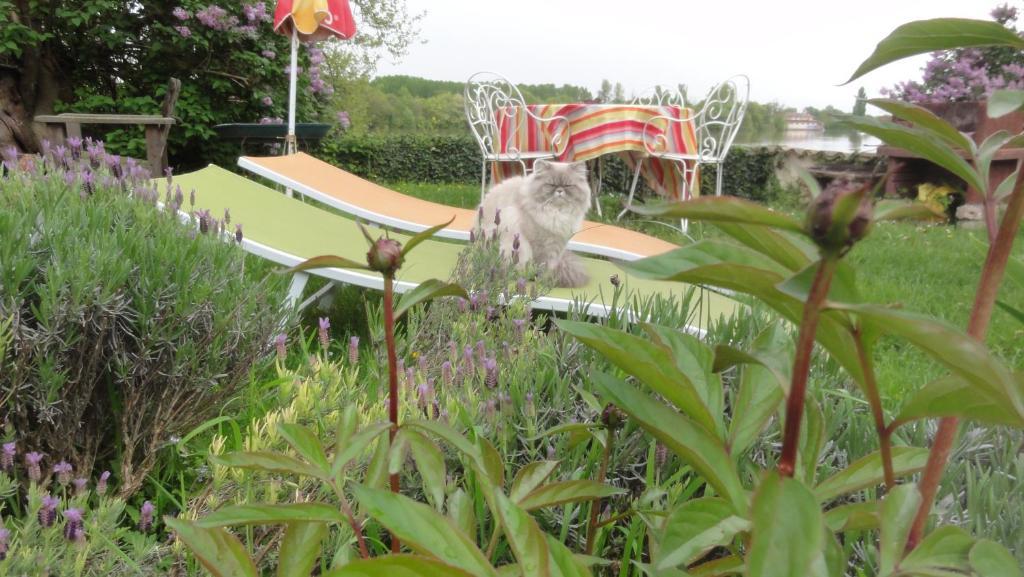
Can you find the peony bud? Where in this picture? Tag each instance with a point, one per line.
(840, 216)
(385, 256)
(612, 417)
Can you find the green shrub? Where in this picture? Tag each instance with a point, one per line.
(127, 328)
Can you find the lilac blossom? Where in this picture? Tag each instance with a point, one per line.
(343, 120)
(269, 54)
(181, 14)
(216, 18)
(183, 31)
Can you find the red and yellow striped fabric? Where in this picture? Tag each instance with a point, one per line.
(598, 129)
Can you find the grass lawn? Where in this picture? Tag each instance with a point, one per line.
(931, 269)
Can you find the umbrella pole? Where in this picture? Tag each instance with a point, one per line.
(289, 141)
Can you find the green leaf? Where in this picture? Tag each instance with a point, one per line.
(867, 472)
(695, 360)
(788, 533)
(423, 530)
(300, 549)
(220, 552)
(791, 251)
(987, 151)
(425, 291)
(561, 492)
(458, 441)
(923, 36)
(355, 445)
(326, 261)
(812, 441)
(377, 469)
(925, 119)
(990, 559)
(271, 462)
(397, 453)
(961, 354)
(460, 511)
(722, 209)
(430, 463)
(853, 517)
(898, 511)
(947, 547)
(424, 235)
(1003, 102)
(398, 566)
(667, 266)
(305, 443)
(843, 288)
(1005, 187)
(952, 396)
(694, 444)
(652, 364)
(524, 536)
(529, 478)
(920, 143)
(761, 385)
(696, 527)
(890, 209)
(271, 514)
(563, 562)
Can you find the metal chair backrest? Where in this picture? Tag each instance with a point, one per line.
(494, 106)
(720, 118)
(658, 96)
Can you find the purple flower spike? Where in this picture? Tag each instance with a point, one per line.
(192, 199)
(101, 485)
(73, 530)
(353, 350)
(280, 343)
(227, 215)
(446, 372)
(325, 337)
(5, 535)
(146, 516)
(467, 357)
(10, 451)
(32, 460)
(81, 485)
(521, 286)
(497, 216)
(63, 471)
(491, 373)
(481, 351)
(48, 510)
(410, 377)
(238, 233)
(515, 241)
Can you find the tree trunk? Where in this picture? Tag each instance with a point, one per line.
(25, 92)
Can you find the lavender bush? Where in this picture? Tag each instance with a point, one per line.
(125, 327)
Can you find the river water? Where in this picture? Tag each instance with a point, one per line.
(811, 140)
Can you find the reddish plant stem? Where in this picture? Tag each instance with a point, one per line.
(875, 401)
(802, 363)
(595, 509)
(977, 327)
(389, 339)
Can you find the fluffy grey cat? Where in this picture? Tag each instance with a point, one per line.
(540, 213)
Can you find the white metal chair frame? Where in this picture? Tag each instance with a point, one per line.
(490, 99)
(717, 123)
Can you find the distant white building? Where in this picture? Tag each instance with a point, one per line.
(803, 121)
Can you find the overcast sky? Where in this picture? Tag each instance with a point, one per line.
(794, 51)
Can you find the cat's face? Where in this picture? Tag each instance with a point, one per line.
(560, 185)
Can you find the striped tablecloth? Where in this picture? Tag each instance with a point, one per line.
(599, 129)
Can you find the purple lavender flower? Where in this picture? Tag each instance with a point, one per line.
(5, 535)
(353, 350)
(426, 392)
(32, 460)
(491, 372)
(73, 530)
(520, 325)
(410, 377)
(551, 453)
(463, 305)
(467, 357)
(75, 143)
(81, 485)
(48, 510)
(497, 216)
(146, 516)
(238, 233)
(446, 372)
(474, 301)
(88, 183)
(521, 286)
(325, 337)
(280, 342)
(181, 14)
(472, 235)
(63, 471)
(481, 350)
(101, 485)
(10, 450)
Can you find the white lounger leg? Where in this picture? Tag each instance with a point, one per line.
(299, 280)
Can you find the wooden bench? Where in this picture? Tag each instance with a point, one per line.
(60, 127)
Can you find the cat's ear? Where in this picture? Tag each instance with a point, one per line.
(579, 168)
(540, 166)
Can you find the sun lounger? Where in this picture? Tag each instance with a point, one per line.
(348, 193)
(288, 231)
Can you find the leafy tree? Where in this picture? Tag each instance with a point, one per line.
(605, 93)
(116, 56)
(860, 106)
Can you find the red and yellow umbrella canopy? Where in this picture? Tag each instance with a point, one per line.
(314, 19)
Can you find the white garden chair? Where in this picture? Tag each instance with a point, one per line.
(494, 106)
(717, 123)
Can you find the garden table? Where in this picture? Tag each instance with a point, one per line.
(598, 129)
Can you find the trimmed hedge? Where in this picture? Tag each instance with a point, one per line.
(749, 172)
